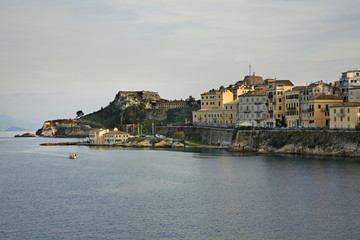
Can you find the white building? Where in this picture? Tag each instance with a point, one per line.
(348, 80)
(252, 108)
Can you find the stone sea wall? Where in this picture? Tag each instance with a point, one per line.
(313, 142)
(325, 143)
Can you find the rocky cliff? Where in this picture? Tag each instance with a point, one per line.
(124, 99)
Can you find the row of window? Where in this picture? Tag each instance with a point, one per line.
(209, 97)
(247, 108)
(252, 99)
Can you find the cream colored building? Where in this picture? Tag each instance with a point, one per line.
(276, 99)
(252, 108)
(97, 136)
(354, 94)
(345, 115)
(292, 106)
(319, 110)
(113, 137)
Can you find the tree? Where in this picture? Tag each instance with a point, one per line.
(79, 114)
(135, 114)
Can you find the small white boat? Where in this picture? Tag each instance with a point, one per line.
(73, 156)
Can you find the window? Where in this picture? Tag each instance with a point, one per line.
(279, 108)
(334, 119)
(279, 99)
(319, 106)
(348, 110)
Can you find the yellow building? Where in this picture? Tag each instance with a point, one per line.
(208, 116)
(292, 106)
(213, 106)
(230, 111)
(113, 137)
(96, 136)
(345, 115)
(319, 114)
(276, 99)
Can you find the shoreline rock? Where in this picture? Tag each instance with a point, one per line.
(26, 135)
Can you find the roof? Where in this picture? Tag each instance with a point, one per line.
(327, 97)
(346, 104)
(116, 132)
(261, 92)
(284, 82)
(297, 88)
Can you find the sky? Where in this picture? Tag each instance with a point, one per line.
(61, 56)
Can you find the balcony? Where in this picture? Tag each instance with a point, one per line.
(340, 114)
(258, 103)
(246, 111)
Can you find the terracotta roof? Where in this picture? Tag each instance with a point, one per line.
(116, 132)
(261, 92)
(297, 88)
(346, 104)
(285, 82)
(330, 97)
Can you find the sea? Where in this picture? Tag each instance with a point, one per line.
(122, 193)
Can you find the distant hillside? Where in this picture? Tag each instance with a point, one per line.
(7, 122)
(15, 129)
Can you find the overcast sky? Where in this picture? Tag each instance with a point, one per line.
(60, 56)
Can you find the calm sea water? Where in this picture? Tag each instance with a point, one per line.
(110, 193)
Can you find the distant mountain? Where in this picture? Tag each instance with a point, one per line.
(8, 122)
(16, 129)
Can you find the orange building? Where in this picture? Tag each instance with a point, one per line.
(319, 113)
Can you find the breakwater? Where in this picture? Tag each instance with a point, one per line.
(314, 142)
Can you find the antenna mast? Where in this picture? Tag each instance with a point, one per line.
(250, 69)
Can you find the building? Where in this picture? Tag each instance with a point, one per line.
(113, 137)
(348, 80)
(276, 99)
(167, 104)
(354, 94)
(230, 112)
(213, 106)
(319, 115)
(345, 115)
(252, 108)
(293, 106)
(97, 136)
(307, 93)
(239, 89)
